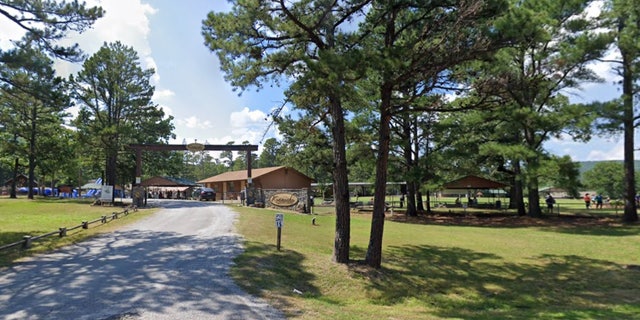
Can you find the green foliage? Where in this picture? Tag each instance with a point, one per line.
(306, 147)
(607, 178)
(550, 270)
(241, 161)
(114, 95)
(622, 18)
(271, 150)
(568, 175)
(33, 101)
(47, 21)
(553, 43)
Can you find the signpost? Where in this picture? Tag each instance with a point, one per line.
(279, 223)
(106, 194)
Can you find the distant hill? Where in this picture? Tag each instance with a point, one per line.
(588, 165)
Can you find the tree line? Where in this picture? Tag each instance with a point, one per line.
(399, 90)
(428, 89)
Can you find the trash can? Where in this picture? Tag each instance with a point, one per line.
(498, 204)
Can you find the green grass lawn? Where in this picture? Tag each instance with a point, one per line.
(20, 217)
(442, 272)
(562, 207)
(429, 271)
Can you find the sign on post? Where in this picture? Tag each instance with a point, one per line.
(279, 223)
(106, 193)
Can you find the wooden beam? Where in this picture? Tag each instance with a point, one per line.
(207, 147)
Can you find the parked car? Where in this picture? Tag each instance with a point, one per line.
(207, 194)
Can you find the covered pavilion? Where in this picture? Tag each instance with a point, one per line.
(475, 185)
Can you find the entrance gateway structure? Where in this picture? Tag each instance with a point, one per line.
(138, 190)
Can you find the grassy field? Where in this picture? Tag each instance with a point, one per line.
(443, 271)
(20, 217)
(430, 271)
(562, 206)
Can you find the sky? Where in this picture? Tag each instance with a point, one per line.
(191, 88)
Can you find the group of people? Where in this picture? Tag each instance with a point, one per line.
(598, 200)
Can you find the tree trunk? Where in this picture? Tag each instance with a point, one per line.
(429, 202)
(411, 199)
(340, 186)
(534, 199)
(374, 250)
(12, 192)
(533, 165)
(410, 165)
(420, 203)
(32, 152)
(419, 179)
(517, 195)
(112, 160)
(630, 207)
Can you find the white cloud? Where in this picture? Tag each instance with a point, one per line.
(605, 69)
(194, 122)
(613, 152)
(594, 9)
(163, 95)
(10, 31)
(248, 118)
(150, 63)
(249, 125)
(126, 21)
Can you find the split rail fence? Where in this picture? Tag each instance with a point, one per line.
(27, 240)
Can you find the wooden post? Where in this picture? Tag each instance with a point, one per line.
(27, 242)
(279, 237)
(248, 164)
(279, 223)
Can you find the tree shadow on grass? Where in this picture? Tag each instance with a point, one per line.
(460, 283)
(263, 266)
(621, 230)
(570, 224)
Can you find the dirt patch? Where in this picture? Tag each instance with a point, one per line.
(504, 220)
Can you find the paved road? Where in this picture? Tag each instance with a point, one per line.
(172, 265)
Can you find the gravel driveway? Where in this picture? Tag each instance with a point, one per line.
(172, 265)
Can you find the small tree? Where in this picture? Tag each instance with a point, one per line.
(258, 42)
(34, 101)
(116, 110)
(606, 177)
(553, 44)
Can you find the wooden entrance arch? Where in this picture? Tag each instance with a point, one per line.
(138, 197)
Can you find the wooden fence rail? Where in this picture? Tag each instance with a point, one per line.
(27, 240)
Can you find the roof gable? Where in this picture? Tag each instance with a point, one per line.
(474, 182)
(241, 175)
(160, 181)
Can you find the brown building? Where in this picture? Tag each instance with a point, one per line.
(168, 187)
(267, 185)
(233, 182)
(21, 181)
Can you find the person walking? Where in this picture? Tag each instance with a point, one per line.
(587, 200)
(599, 201)
(550, 202)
